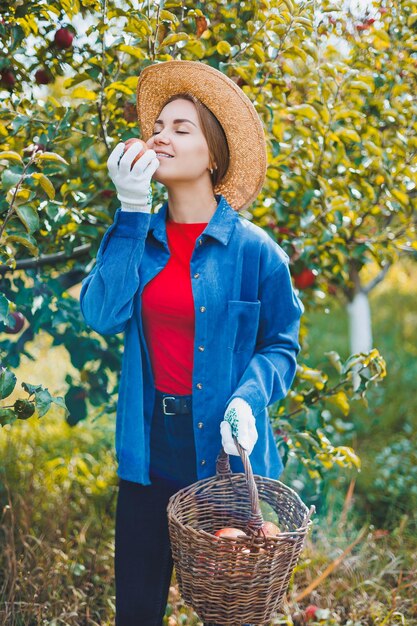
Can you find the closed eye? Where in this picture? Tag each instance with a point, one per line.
(180, 132)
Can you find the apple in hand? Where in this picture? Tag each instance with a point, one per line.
(130, 143)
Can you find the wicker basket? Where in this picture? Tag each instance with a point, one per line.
(242, 580)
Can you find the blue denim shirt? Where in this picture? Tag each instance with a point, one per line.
(242, 347)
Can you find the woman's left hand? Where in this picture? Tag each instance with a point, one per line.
(239, 421)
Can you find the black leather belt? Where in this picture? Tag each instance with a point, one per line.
(174, 405)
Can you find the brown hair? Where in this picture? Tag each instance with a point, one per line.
(214, 134)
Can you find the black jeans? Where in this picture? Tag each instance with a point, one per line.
(143, 560)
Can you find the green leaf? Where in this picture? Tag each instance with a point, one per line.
(29, 217)
(9, 179)
(348, 134)
(75, 80)
(83, 93)
(49, 156)
(43, 401)
(19, 121)
(31, 389)
(295, 51)
(304, 110)
(135, 52)
(45, 183)
(174, 38)
(307, 196)
(139, 27)
(7, 416)
(224, 48)
(25, 240)
(59, 401)
(7, 383)
(10, 155)
(335, 360)
(167, 16)
(4, 308)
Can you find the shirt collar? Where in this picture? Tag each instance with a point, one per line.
(220, 226)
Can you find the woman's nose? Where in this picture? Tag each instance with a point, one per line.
(160, 138)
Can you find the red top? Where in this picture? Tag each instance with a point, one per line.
(168, 312)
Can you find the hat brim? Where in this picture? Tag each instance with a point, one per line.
(237, 115)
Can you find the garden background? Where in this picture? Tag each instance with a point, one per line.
(334, 86)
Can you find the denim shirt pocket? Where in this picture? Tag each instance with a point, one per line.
(242, 324)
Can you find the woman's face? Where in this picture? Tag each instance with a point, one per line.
(183, 140)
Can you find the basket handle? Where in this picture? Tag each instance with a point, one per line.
(223, 469)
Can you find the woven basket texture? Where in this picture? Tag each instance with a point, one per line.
(232, 581)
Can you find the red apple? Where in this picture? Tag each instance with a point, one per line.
(306, 278)
(230, 532)
(63, 38)
(310, 612)
(19, 323)
(269, 529)
(42, 76)
(7, 77)
(130, 143)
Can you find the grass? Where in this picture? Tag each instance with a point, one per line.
(57, 529)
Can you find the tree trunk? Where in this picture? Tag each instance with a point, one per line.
(360, 323)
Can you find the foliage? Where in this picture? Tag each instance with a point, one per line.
(303, 428)
(390, 419)
(340, 189)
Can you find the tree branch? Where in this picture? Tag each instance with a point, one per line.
(46, 259)
(375, 281)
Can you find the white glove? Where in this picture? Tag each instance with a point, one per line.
(133, 186)
(239, 420)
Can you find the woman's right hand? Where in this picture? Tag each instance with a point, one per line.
(133, 186)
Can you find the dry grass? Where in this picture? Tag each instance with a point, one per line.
(57, 533)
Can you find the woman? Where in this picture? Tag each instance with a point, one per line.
(205, 301)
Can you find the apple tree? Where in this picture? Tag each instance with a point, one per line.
(333, 92)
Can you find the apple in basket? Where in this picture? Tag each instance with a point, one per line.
(269, 529)
(230, 532)
(243, 551)
(130, 143)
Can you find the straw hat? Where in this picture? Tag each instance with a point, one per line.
(233, 109)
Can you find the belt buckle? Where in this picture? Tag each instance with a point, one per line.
(164, 407)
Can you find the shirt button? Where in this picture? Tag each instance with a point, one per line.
(199, 386)
(201, 348)
(203, 462)
(200, 424)
(202, 309)
(200, 241)
(197, 275)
